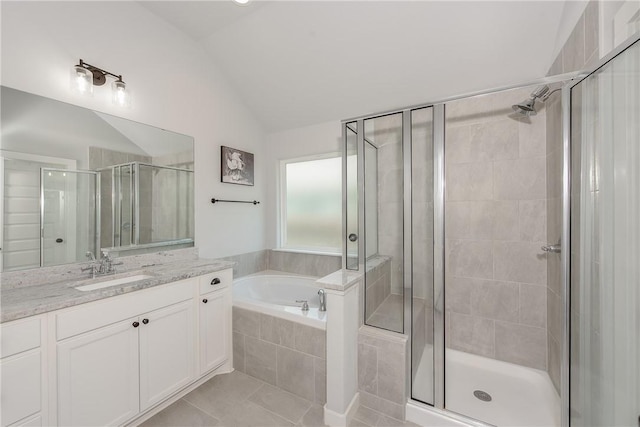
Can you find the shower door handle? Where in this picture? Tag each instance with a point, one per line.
(353, 237)
(553, 249)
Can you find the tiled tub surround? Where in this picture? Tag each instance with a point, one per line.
(30, 292)
(382, 367)
(280, 352)
(495, 216)
(306, 264)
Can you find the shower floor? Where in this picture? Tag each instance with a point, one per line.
(520, 396)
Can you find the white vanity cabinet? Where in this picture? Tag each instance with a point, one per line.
(22, 369)
(214, 319)
(116, 360)
(110, 373)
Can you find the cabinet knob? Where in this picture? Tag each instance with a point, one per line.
(205, 300)
(215, 281)
(145, 321)
(136, 324)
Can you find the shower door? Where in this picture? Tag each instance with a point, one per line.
(605, 279)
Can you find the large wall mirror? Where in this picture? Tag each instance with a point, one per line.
(76, 181)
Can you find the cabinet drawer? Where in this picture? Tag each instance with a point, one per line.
(19, 336)
(94, 315)
(20, 381)
(208, 283)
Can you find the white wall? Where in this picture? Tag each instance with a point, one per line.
(175, 86)
(289, 144)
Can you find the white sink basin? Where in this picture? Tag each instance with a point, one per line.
(114, 282)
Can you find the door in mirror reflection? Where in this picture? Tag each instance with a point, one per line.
(68, 215)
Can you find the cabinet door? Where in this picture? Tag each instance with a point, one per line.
(167, 356)
(21, 386)
(98, 376)
(214, 329)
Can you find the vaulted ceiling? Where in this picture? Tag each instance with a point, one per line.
(298, 63)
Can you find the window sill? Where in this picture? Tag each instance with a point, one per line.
(307, 251)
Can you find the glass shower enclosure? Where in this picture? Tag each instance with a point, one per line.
(506, 246)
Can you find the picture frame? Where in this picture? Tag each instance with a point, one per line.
(236, 166)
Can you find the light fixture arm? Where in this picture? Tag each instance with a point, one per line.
(99, 75)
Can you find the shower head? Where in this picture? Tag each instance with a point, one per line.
(528, 107)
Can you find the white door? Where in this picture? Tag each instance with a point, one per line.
(167, 352)
(214, 329)
(20, 200)
(98, 376)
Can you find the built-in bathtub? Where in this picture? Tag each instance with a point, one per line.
(277, 295)
(276, 341)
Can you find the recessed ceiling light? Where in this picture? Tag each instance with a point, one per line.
(242, 2)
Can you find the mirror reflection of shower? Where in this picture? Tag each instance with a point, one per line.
(144, 203)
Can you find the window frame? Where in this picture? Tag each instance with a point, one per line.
(282, 205)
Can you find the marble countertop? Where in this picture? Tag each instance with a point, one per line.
(24, 300)
(341, 280)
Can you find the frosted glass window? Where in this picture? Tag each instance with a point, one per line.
(312, 205)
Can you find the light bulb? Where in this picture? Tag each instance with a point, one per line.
(81, 80)
(121, 97)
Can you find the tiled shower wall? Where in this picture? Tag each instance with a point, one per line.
(495, 219)
(378, 282)
(382, 371)
(580, 51)
(386, 134)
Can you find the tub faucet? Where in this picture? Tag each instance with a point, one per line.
(305, 304)
(323, 300)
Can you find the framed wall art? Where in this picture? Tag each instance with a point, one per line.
(236, 166)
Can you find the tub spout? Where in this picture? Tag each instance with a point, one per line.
(323, 300)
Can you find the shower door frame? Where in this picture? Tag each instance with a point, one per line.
(566, 224)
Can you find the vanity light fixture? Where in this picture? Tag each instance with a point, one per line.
(85, 76)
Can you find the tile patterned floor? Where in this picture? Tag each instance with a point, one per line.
(238, 400)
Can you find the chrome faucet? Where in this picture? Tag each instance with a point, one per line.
(93, 268)
(323, 300)
(107, 264)
(305, 304)
(100, 268)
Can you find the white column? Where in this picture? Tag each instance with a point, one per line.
(342, 290)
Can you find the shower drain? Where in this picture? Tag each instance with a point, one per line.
(482, 395)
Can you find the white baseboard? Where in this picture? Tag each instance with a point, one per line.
(335, 419)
